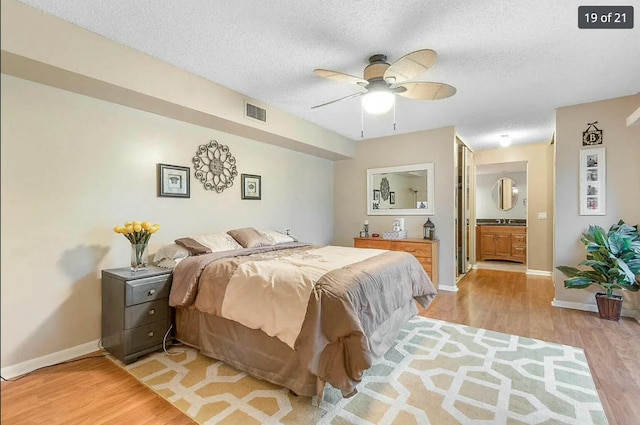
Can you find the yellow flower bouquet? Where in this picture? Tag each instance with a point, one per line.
(138, 233)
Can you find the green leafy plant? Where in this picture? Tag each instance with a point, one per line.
(613, 256)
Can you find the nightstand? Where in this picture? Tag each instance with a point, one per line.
(135, 311)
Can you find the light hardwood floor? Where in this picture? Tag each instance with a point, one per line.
(96, 391)
(93, 391)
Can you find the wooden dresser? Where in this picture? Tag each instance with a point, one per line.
(425, 250)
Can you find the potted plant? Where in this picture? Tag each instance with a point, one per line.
(614, 258)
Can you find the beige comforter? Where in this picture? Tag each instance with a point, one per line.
(321, 301)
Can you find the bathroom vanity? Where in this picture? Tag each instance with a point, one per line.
(502, 241)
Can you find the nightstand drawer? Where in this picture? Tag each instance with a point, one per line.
(147, 289)
(137, 339)
(141, 314)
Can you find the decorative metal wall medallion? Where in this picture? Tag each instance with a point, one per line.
(384, 189)
(592, 135)
(214, 166)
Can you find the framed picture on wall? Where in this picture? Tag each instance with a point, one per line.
(173, 181)
(251, 186)
(592, 182)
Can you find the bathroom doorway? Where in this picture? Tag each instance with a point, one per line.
(501, 216)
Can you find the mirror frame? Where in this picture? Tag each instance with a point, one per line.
(427, 166)
(496, 185)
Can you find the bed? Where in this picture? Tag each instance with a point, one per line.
(292, 313)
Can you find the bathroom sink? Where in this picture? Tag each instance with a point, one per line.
(501, 222)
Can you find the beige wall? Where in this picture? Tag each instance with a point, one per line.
(351, 189)
(539, 157)
(73, 167)
(45, 49)
(622, 154)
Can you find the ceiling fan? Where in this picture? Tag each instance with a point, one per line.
(382, 81)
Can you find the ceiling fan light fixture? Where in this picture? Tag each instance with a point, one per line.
(378, 102)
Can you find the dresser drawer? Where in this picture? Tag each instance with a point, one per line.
(423, 260)
(417, 249)
(142, 314)
(372, 243)
(147, 289)
(137, 339)
(425, 251)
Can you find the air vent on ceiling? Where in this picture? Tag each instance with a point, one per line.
(255, 112)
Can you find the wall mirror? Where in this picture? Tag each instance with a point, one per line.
(504, 194)
(401, 190)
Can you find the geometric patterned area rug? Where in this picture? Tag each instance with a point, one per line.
(437, 373)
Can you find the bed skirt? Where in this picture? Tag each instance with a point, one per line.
(265, 357)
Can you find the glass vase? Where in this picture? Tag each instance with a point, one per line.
(139, 256)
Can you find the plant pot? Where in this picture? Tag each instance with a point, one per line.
(609, 308)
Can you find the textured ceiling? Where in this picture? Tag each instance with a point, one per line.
(513, 62)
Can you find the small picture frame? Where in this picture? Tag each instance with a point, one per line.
(174, 181)
(376, 195)
(251, 186)
(392, 198)
(592, 182)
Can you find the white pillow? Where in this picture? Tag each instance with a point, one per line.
(171, 251)
(218, 242)
(276, 237)
(168, 256)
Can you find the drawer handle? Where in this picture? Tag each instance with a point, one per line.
(151, 312)
(150, 334)
(151, 292)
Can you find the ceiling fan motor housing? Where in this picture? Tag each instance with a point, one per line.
(377, 67)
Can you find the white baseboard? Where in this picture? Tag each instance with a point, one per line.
(447, 288)
(539, 272)
(50, 359)
(592, 307)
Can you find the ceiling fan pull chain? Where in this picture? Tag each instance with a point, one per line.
(394, 116)
(361, 122)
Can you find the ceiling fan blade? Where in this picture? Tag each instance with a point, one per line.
(427, 90)
(337, 100)
(411, 65)
(340, 77)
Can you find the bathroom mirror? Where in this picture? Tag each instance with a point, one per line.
(505, 194)
(401, 190)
